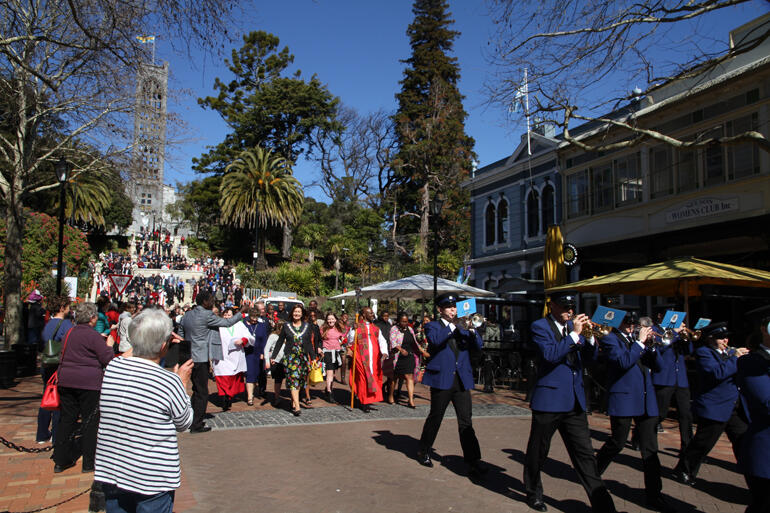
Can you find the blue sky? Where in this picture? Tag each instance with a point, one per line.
(354, 47)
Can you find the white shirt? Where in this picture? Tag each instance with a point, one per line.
(574, 336)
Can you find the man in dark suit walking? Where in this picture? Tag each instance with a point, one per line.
(632, 397)
(754, 382)
(559, 402)
(717, 403)
(450, 378)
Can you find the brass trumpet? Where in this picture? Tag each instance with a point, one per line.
(591, 329)
(689, 335)
(474, 321)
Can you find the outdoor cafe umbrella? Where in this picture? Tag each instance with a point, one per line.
(419, 286)
(554, 273)
(681, 277)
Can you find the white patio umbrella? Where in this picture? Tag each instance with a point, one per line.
(419, 286)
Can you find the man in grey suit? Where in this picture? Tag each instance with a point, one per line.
(201, 327)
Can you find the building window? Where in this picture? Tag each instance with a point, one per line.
(661, 172)
(687, 171)
(490, 219)
(628, 180)
(742, 159)
(602, 188)
(502, 221)
(533, 214)
(713, 158)
(577, 194)
(549, 214)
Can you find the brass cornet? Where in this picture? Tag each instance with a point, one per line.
(474, 321)
(689, 335)
(591, 329)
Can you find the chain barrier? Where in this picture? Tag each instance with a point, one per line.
(19, 448)
(52, 505)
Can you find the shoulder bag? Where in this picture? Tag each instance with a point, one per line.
(52, 349)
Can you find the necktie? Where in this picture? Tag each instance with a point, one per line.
(452, 341)
(571, 358)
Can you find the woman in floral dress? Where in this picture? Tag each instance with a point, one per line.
(296, 336)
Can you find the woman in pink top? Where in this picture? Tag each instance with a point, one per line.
(332, 334)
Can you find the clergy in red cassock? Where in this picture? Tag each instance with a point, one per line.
(370, 349)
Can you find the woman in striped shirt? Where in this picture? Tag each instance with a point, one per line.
(142, 408)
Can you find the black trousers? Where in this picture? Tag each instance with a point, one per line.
(573, 428)
(706, 437)
(77, 402)
(760, 494)
(461, 400)
(200, 395)
(648, 446)
(684, 413)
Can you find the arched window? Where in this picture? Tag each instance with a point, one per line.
(533, 214)
(502, 221)
(549, 216)
(489, 224)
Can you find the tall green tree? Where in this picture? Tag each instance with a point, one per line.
(259, 190)
(267, 105)
(434, 152)
(198, 203)
(65, 76)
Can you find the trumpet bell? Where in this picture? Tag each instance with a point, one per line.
(477, 320)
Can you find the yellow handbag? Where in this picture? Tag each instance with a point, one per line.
(316, 374)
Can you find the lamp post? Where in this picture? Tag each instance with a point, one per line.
(435, 210)
(62, 169)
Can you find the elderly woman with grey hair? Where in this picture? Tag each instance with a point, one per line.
(142, 408)
(83, 358)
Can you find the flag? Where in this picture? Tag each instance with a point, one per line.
(146, 39)
(460, 275)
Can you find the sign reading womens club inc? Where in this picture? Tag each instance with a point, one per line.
(701, 207)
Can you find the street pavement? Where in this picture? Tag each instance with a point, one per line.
(332, 459)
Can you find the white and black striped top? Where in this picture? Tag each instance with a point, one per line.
(142, 406)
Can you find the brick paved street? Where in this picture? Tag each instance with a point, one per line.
(331, 459)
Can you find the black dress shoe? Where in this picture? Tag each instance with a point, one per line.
(61, 468)
(477, 470)
(296, 413)
(659, 504)
(684, 478)
(423, 457)
(537, 504)
(200, 429)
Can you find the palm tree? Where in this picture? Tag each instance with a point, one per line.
(258, 190)
(310, 235)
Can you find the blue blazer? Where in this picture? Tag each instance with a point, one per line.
(559, 384)
(630, 388)
(672, 371)
(754, 380)
(441, 367)
(718, 390)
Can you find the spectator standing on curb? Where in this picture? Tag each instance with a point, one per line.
(142, 407)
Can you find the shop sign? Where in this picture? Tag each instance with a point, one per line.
(701, 207)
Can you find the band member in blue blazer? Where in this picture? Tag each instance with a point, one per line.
(717, 403)
(670, 380)
(754, 455)
(629, 358)
(449, 375)
(558, 402)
